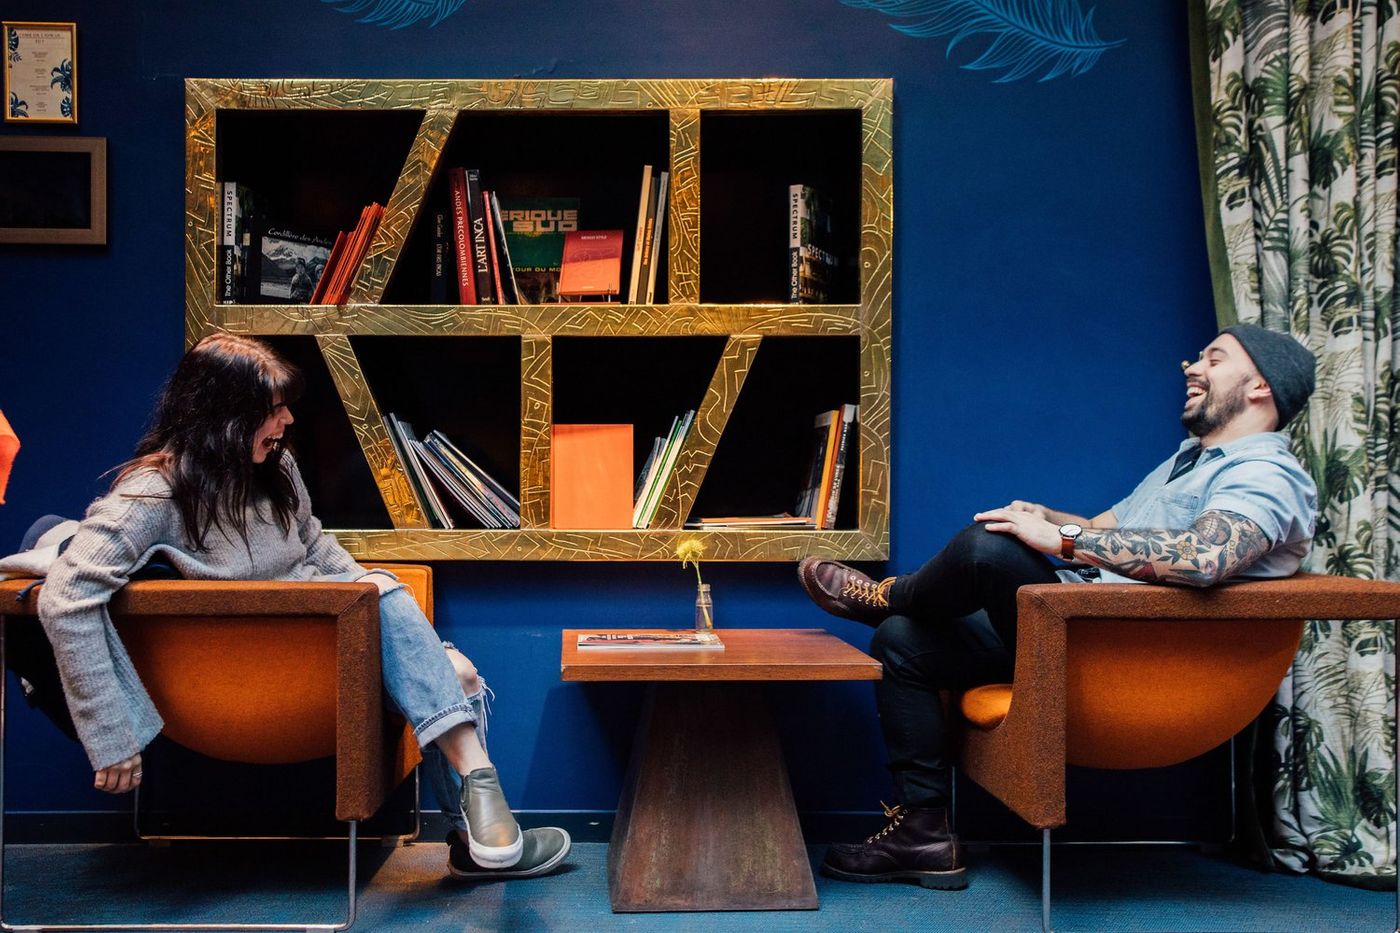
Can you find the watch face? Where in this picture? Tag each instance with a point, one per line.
(1071, 530)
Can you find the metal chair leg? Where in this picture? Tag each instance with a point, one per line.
(350, 903)
(1045, 881)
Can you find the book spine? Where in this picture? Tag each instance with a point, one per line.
(648, 240)
(642, 200)
(795, 203)
(480, 249)
(228, 245)
(838, 473)
(512, 292)
(658, 227)
(828, 468)
(437, 290)
(493, 258)
(462, 237)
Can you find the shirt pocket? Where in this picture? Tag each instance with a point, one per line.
(1179, 510)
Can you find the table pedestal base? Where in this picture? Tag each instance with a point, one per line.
(707, 820)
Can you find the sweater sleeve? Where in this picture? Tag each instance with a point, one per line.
(111, 711)
(323, 551)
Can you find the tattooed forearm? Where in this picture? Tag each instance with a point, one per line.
(1218, 546)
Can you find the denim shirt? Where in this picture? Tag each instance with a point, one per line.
(1256, 476)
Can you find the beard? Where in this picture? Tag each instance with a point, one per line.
(1215, 411)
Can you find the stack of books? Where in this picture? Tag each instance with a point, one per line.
(348, 251)
(485, 273)
(812, 264)
(434, 464)
(651, 481)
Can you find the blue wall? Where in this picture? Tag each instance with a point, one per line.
(1050, 274)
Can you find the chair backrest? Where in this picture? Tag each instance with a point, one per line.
(253, 688)
(1150, 693)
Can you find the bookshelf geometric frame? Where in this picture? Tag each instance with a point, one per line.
(744, 325)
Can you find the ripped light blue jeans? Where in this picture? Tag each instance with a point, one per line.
(422, 684)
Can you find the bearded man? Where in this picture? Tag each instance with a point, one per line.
(1232, 502)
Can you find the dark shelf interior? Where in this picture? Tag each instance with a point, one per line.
(748, 160)
(594, 157)
(466, 387)
(342, 488)
(314, 170)
(761, 462)
(641, 381)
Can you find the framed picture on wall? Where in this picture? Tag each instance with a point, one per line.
(53, 189)
(41, 72)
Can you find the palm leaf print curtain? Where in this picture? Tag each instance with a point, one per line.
(1296, 106)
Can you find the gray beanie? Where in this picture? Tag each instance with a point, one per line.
(1286, 365)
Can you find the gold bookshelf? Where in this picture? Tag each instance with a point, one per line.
(744, 325)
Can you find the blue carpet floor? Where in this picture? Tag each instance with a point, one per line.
(1096, 888)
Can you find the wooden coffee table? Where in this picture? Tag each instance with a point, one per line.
(706, 820)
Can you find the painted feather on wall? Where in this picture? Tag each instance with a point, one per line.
(396, 14)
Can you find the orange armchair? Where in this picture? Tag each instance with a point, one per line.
(265, 672)
(1128, 676)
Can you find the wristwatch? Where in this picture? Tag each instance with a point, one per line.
(1069, 533)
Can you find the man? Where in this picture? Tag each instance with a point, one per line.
(1232, 502)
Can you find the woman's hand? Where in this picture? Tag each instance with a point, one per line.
(120, 777)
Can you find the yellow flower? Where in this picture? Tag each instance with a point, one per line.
(690, 551)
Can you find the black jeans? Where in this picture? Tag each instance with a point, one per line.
(934, 642)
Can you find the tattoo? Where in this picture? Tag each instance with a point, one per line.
(1218, 546)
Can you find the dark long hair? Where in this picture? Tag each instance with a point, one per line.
(201, 435)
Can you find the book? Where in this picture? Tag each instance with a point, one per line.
(441, 258)
(493, 257)
(645, 472)
(592, 265)
(318, 295)
(403, 457)
(462, 236)
(483, 271)
(347, 264)
(591, 476)
(829, 421)
(535, 229)
(781, 520)
(811, 488)
(408, 442)
(648, 238)
(658, 228)
(235, 243)
(812, 266)
(843, 444)
(644, 511)
(643, 201)
(475, 483)
(651, 640)
(291, 263)
(437, 469)
(506, 268)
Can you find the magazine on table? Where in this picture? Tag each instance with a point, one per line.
(651, 640)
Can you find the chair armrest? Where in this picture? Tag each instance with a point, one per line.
(1301, 596)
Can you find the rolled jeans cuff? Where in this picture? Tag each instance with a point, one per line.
(435, 725)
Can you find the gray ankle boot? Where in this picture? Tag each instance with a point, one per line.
(493, 835)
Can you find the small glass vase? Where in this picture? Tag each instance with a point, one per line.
(704, 609)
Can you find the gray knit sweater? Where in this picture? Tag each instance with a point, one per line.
(113, 713)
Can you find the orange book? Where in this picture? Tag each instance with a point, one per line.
(318, 297)
(828, 469)
(592, 264)
(591, 476)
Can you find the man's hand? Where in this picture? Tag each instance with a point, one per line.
(1033, 530)
(120, 777)
(1034, 508)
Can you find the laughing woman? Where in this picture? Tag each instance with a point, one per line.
(213, 490)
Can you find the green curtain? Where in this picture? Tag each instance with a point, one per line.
(1296, 108)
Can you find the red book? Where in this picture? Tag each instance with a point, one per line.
(462, 237)
(592, 264)
(359, 248)
(491, 246)
(318, 296)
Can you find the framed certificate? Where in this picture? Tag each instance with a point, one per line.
(41, 72)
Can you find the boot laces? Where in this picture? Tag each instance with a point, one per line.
(867, 591)
(895, 814)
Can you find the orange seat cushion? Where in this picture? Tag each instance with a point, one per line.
(986, 707)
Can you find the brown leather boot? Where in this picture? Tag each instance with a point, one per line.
(844, 591)
(915, 846)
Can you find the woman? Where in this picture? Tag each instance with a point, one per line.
(213, 491)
